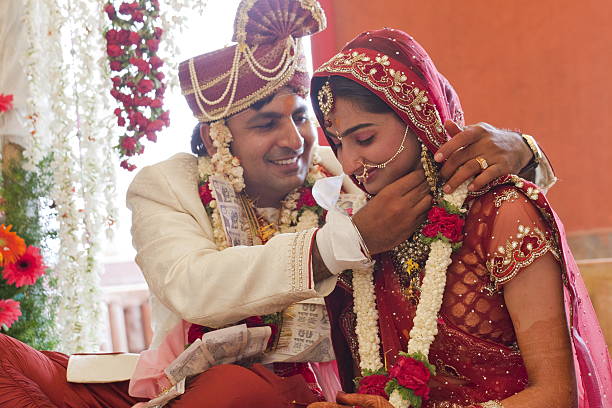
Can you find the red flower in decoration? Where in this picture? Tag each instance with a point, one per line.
(9, 312)
(114, 50)
(156, 62)
(25, 270)
(129, 167)
(205, 194)
(110, 11)
(413, 374)
(441, 221)
(132, 42)
(305, 199)
(145, 85)
(128, 143)
(373, 385)
(153, 45)
(142, 65)
(155, 126)
(116, 66)
(6, 102)
(133, 38)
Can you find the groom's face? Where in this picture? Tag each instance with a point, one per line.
(273, 141)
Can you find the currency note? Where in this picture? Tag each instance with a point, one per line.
(304, 335)
(226, 345)
(257, 342)
(234, 222)
(194, 360)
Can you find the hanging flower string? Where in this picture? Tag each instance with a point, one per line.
(138, 83)
(405, 383)
(20, 266)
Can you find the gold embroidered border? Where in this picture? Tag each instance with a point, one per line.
(299, 258)
(507, 261)
(393, 84)
(505, 195)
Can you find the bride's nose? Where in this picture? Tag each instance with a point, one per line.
(349, 159)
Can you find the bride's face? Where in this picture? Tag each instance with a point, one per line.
(372, 138)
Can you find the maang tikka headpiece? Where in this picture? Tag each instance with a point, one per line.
(326, 103)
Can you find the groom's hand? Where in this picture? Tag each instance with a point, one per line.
(394, 213)
(504, 150)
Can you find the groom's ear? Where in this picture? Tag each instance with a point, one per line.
(205, 137)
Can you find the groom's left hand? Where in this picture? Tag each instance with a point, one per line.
(353, 400)
(504, 151)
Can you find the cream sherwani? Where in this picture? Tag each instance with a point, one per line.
(188, 277)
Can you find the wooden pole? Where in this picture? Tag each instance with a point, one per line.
(11, 152)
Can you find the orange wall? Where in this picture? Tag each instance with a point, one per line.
(544, 67)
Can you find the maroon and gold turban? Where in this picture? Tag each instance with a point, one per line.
(267, 56)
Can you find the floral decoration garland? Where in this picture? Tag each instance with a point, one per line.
(138, 82)
(21, 266)
(405, 384)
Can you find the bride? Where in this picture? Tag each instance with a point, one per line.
(483, 306)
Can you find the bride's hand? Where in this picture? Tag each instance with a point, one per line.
(505, 152)
(352, 400)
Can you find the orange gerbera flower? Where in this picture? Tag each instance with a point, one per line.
(12, 246)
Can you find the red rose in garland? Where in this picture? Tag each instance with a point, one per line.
(132, 41)
(413, 374)
(441, 221)
(373, 385)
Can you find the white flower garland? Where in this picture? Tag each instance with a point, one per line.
(425, 321)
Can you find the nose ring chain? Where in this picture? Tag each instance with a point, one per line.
(366, 166)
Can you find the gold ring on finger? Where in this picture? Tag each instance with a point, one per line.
(482, 162)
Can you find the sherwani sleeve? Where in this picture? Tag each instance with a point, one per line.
(173, 238)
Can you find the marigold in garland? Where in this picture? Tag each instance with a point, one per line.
(12, 246)
(9, 312)
(26, 270)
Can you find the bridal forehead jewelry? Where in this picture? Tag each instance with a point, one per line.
(366, 166)
(326, 104)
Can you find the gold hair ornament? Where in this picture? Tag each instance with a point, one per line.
(326, 100)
